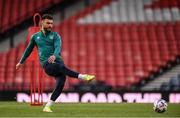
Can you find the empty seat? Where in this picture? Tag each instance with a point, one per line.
(16, 11)
(171, 41)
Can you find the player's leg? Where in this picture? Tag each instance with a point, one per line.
(60, 68)
(60, 81)
(74, 74)
(63, 69)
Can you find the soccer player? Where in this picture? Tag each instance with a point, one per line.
(48, 44)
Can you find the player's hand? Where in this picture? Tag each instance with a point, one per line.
(51, 59)
(18, 65)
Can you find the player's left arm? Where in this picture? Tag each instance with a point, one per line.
(57, 49)
(57, 45)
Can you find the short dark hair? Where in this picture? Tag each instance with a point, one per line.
(47, 16)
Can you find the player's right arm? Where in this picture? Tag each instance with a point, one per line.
(26, 53)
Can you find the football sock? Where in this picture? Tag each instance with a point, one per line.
(50, 103)
(81, 76)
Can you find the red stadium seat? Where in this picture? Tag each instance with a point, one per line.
(16, 11)
(1, 8)
(6, 14)
(177, 35)
(171, 41)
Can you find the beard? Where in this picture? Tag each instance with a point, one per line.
(48, 29)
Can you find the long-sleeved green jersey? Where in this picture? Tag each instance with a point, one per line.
(47, 44)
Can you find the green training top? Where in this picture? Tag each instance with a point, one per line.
(48, 44)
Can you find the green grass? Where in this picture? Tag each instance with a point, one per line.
(13, 109)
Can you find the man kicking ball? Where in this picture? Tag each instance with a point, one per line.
(49, 47)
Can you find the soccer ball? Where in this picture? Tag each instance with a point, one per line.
(160, 106)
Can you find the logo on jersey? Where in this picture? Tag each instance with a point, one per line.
(51, 37)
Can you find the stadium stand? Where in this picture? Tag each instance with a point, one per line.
(122, 42)
(14, 12)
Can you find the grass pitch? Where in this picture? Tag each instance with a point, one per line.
(13, 109)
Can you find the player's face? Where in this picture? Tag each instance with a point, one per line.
(47, 24)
